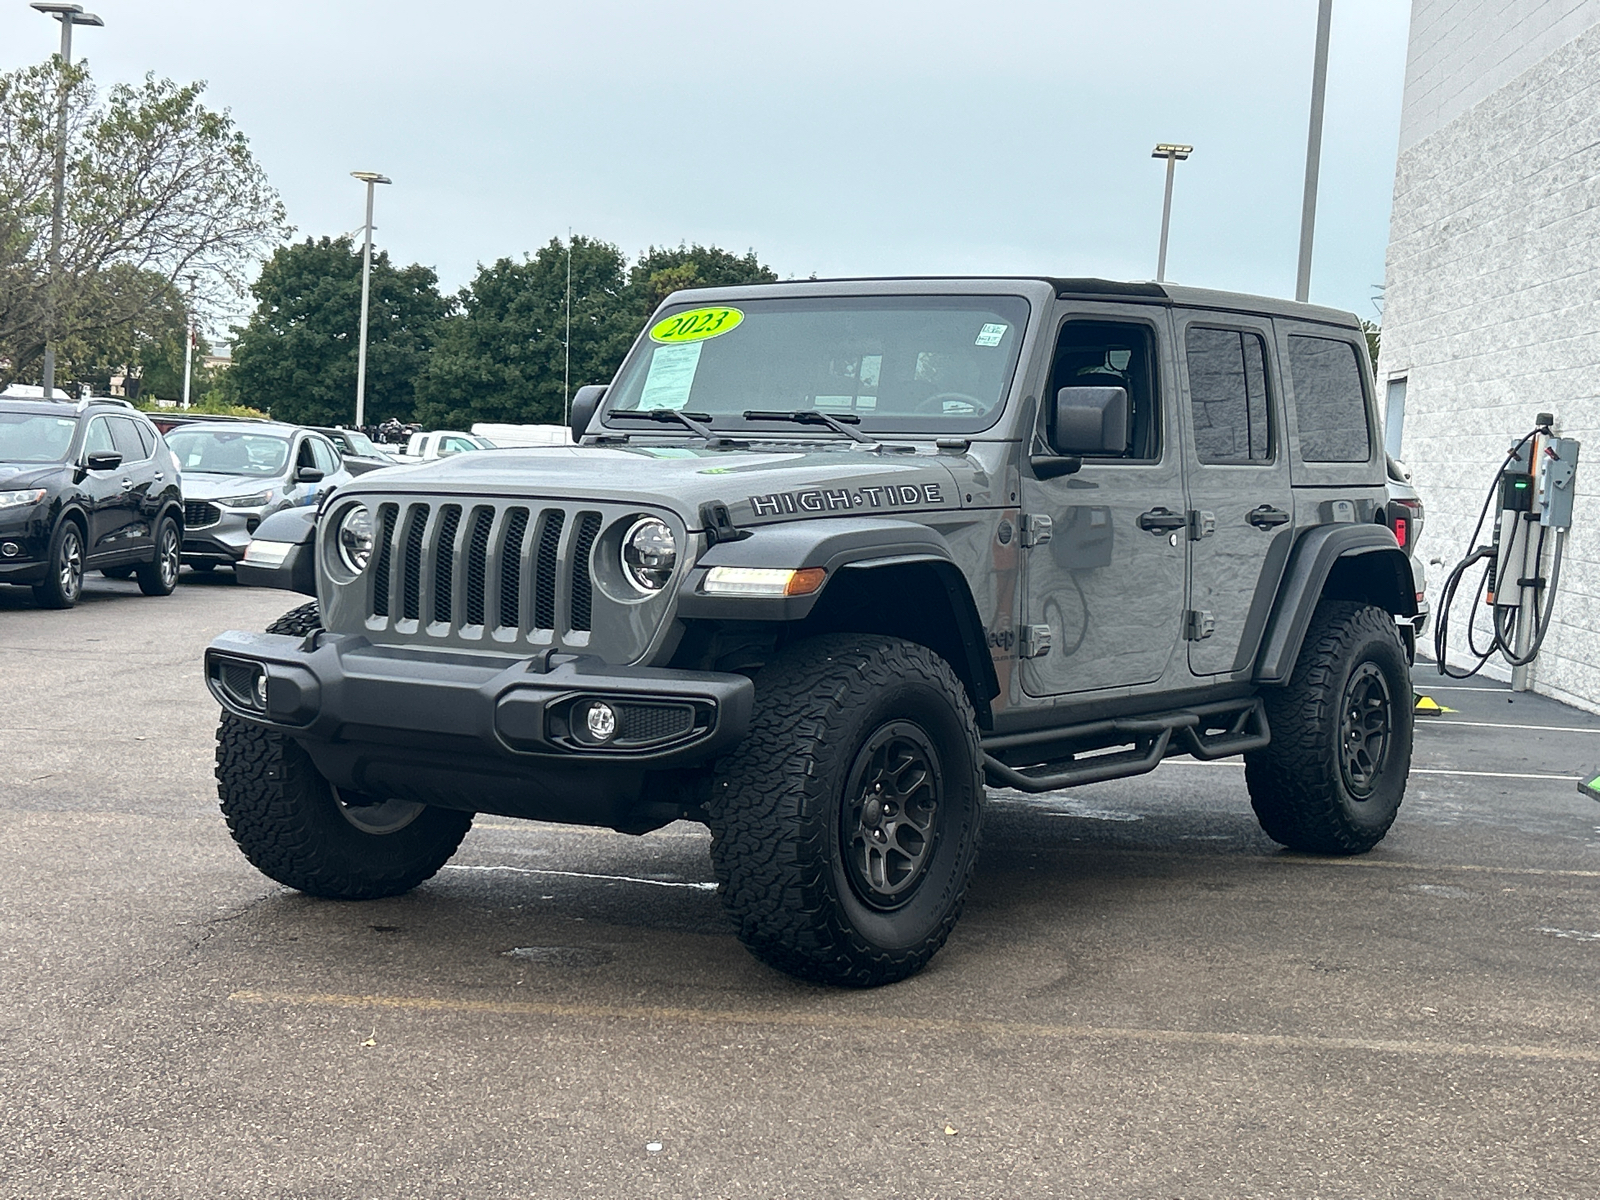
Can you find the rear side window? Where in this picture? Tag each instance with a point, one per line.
(1228, 396)
(1328, 400)
(147, 436)
(125, 434)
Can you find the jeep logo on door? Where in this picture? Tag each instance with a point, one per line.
(825, 500)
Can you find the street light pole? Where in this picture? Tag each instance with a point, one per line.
(1308, 206)
(370, 178)
(1174, 154)
(69, 15)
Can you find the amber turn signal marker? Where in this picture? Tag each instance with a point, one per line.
(804, 582)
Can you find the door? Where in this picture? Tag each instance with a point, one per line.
(109, 495)
(1107, 584)
(141, 494)
(1242, 504)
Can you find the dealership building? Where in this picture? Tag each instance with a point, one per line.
(1492, 291)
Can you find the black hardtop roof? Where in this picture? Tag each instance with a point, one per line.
(1165, 294)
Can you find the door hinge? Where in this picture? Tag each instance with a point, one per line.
(1197, 626)
(1201, 524)
(1033, 641)
(1036, 529)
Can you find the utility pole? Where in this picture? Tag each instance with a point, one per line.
(1174, 154)
(188, 343)
(369, 178)
(566, 368)
(69, 15)
(1308, 206)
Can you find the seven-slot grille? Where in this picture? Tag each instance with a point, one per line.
(197, 514)
(504, 569)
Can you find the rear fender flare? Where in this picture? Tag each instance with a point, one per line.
(1363, 560)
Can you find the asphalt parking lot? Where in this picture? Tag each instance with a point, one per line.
(1145, 998)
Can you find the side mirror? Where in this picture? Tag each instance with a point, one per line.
(1090, 421)
(102, 460)
(584, 403)
(308, 475)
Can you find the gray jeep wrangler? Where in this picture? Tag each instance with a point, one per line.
(827, 558)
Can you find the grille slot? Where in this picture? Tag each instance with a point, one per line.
(380, 573)
(511, 568)
(544, 595)
(197, 514)
(478, 564)
(444, 563)
(411, 587)
(582, 585)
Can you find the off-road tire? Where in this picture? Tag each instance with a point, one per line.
(289, 823)
(1301, 786)
(64, 558)
(779, 809)
(159, 576)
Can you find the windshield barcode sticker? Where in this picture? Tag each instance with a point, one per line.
(990, 335)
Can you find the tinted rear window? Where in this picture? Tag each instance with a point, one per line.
(1328, 400)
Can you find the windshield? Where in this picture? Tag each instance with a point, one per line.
(35, 437)
(897, 363)
(227, 453)
(354, 443)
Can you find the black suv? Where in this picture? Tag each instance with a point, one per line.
(829, 557)
(85, 484)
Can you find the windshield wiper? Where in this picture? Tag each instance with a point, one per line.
(691, 421)
(813, 416)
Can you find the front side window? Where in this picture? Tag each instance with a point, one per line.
(226, 453)
(327, 460)
(35, 437)
(1329, 402)
(1114, 354)
(896, 363)
(125, 433)
(98, 439)
(1228, 396)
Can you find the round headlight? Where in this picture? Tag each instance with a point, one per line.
(649, 554)
(355, 539)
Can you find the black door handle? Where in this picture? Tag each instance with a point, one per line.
(1159, 520)
(1266, 517)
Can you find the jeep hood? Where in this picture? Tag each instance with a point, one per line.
(758, 486)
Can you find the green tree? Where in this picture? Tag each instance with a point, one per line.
(146, 352)
(296, 356)
(158, 189)
(660, 272)
(502, 357)
(1374, 333)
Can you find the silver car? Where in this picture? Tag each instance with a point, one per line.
(235, 475)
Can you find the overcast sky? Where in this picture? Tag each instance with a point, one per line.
(843, 138)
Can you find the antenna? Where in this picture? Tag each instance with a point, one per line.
(566, 369)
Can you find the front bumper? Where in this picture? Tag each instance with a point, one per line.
(224, 540)
(24, 546)
(486, 732)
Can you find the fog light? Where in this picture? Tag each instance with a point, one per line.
(261, 690)
(10, 550)
(601, 721)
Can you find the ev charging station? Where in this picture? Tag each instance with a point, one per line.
(1532, 493)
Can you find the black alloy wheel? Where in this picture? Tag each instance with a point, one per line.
(1367, 730)
(160, 577)
(64, 584)
(890, 827)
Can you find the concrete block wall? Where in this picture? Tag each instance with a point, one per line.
(1492, 299)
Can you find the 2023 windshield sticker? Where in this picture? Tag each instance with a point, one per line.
(696, 325)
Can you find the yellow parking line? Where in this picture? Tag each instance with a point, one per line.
(857, 1022)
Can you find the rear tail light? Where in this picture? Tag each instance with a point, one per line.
(1401, 528)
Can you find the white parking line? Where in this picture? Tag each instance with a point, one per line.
(1194, 762)
(1446, 722)
(698, 887)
